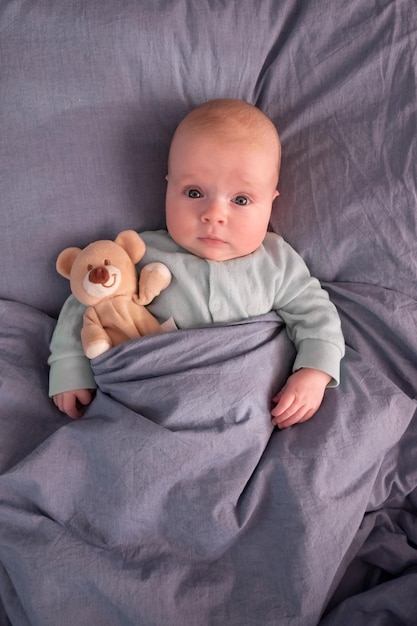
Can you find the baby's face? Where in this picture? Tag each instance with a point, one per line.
(219, 195)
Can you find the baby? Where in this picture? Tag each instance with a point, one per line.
(223, 171)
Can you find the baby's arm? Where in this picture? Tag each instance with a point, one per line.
(300, 397)
(313, 325)
(71, 381)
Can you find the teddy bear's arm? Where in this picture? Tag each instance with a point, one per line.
(94, 338)
(153, 278)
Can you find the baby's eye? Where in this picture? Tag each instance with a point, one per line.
(193, 193)
(241, 200)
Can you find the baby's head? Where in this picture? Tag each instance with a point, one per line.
(223, 170)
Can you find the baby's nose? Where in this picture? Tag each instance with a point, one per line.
(214, 212)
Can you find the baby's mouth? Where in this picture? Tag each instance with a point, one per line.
(211, 240)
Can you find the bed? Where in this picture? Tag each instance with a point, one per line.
(173, 501)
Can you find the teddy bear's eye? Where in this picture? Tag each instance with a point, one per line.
(89, 268)
(106, 262)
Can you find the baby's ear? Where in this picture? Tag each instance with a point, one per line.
(65, 261)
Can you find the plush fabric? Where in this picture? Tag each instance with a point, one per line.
(174, 501)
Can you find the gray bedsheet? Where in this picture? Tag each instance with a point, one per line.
(174, 502)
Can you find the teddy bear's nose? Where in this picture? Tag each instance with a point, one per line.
(99, 275)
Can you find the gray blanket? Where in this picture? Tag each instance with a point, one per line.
(174, 502)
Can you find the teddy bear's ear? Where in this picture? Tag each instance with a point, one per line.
(66, 260)
(132, 243)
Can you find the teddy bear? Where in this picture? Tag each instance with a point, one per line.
(103, 277)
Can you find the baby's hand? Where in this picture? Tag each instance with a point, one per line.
(300, 397)
(73, 402)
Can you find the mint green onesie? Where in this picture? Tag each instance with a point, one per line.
(273, 278)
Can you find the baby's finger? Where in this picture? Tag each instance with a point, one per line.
(285, 401)
(284, 421)
(73, 412)
(84, 396)
(294, 413)
(72, 407)
(302, 415)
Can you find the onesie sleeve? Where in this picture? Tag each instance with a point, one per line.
(69, 367)
(311, 319)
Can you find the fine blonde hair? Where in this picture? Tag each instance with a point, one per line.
(231, 119)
